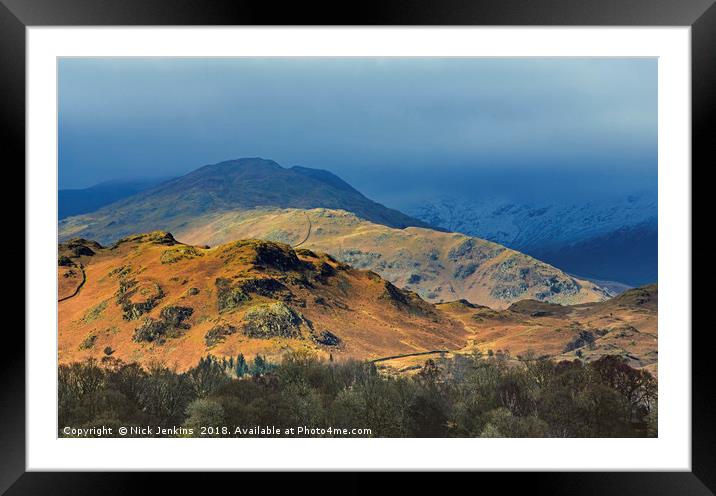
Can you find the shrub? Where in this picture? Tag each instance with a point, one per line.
(88, 342)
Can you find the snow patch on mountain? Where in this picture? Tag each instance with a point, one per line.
(536, 225)
(559, 231)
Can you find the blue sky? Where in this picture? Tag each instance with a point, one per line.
(395, 128)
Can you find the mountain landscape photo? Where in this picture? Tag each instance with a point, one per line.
(246, 203)
(404, 285)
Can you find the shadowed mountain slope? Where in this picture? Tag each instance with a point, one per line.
(80, 201)
(232, 185)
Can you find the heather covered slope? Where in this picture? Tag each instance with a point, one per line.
(439, 266)
(151, 298)
(227, 186)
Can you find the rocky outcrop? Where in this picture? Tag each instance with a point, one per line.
(232, 294)
(170, 325)
(406, 301)
(327, 338)
(534, 308)
(154, 237)
(137, 299)
(229, 297)
(218, 333)
(175, 316)
(75, 248)
(181, 252)
(274, 320)
(263, 254)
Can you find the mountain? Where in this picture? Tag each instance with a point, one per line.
(246, 198)
(609, 240)
(79, 201)
(439, 266)
(227, 186)
(149, 298)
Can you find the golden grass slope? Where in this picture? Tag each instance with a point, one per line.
(150, 298)
(439, 266)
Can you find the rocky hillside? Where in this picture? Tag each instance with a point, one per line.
(149, 297)
(227, 186)
(439, 266)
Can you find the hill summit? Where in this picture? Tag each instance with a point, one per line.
(149, 297)
(241, 184)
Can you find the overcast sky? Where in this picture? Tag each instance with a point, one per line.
(395, 128)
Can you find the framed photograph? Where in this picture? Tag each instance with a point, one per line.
(450, 237)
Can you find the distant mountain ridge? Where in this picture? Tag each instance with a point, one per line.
(83, 200)
(231, 185)
(611, 240)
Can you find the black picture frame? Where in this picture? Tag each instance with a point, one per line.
(700, 15)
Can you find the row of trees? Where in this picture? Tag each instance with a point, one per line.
(464, 396)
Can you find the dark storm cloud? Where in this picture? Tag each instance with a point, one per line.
(392, 127)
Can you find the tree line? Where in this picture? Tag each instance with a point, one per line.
(461, 396)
